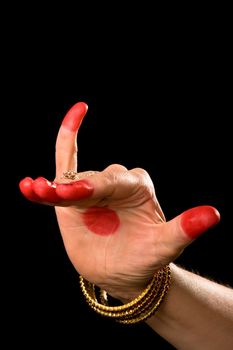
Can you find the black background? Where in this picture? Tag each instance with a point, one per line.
(158, 102)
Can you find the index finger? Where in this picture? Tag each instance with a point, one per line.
(66, 143)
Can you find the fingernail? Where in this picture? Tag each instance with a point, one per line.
(197, 220)
(74, 191)
(74, 116)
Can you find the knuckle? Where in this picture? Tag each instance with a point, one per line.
(116, 168)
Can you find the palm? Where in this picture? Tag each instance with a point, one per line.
(127, 252)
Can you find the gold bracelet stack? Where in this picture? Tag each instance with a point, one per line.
(137, 310)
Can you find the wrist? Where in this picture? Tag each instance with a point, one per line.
(126, 288)
(125, 295)
(136, 310)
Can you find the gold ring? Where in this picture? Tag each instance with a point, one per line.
(73, 175)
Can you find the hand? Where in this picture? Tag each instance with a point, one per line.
(113, 228)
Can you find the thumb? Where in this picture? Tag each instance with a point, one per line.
(189, 225)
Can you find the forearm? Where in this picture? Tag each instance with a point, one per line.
(196, 314)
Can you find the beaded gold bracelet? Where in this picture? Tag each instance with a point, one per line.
(137, 310)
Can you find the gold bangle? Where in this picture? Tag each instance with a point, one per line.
(137, 310)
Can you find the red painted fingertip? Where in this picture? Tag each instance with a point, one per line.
(26, 187)
(74, 116)
(74, 191)
(45, 190)
(197, 220)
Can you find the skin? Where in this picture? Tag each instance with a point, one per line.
(103, 218)
(113, 228)
(197, 313)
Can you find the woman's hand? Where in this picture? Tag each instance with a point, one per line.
(113, 228)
